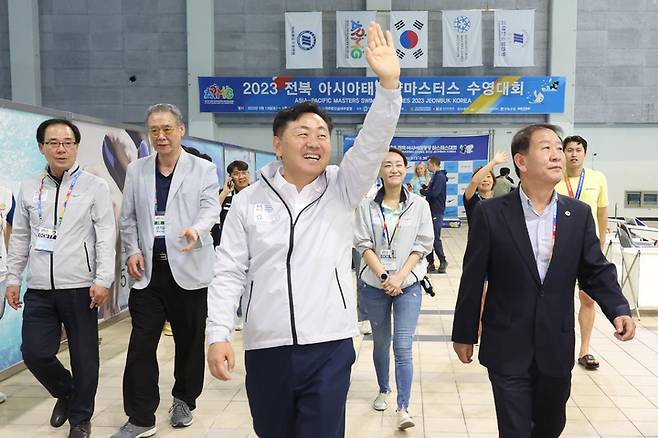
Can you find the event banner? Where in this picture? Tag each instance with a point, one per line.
(514, 38)
(409, 29)
(462, 38)
(354, 94)
(352, 37)
(459, 156)
(303, 40)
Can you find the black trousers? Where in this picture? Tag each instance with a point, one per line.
(186, 310)
(299, 391)
(45, 312)
(531, 404)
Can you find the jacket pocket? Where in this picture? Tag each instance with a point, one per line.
(84, 244)
(340, 289)
(246, 312)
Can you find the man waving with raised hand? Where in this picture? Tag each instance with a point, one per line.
(286, 249)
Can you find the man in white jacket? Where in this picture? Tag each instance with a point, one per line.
(286, 249)
(64, 233)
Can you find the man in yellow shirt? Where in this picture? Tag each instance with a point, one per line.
(588, 186)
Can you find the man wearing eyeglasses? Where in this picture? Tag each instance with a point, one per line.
(64, 233)
(169, 206)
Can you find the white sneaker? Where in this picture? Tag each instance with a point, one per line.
(404, 420)
(364, 327)
(3, 397)
(380, 403)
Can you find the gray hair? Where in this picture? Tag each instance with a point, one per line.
(165, 107)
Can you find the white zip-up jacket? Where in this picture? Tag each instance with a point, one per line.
(293, 259)
(84, 248)
(415, 234)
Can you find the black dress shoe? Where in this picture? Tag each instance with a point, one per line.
(60, 412)
(82, 430)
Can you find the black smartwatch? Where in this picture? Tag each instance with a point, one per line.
(384, 276)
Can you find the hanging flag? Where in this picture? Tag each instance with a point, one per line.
(303, 40)
(409, 29)
(352, 37)
(514, 38)
(462, 38)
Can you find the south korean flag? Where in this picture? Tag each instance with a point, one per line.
(409, 29)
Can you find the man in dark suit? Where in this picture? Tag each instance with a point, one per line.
(542, 243)
(435, 193)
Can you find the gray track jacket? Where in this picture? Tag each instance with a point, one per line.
(84, 248)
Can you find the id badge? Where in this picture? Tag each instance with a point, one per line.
(46, 239)
(159, 225)
(387, 257)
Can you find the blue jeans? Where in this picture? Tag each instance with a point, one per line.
(361, 312)
(406, 308)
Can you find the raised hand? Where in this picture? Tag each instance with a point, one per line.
(381, 56)
(501, 157)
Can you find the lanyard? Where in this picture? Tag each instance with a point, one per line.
(554, 230)
(74, 181)
(388, 238)
(581, 181)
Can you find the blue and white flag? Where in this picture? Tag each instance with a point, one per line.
(514, 38)
(303, 40)
(352, 37)
(409, 29)
(462, 38)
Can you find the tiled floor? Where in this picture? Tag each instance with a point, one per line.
(449, 399)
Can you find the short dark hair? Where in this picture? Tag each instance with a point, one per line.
(400, 153)
(504, 171)
(434, 160)
(197, 153)
(294, 112)
(575, 139)
(41, 130)
(493, 177)
(521, 140)
(237, 165)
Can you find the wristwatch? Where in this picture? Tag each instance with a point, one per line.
(384, 276)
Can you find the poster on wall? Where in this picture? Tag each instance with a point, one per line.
(459, 155)
(262, 159)
(213, 150)
(19, 158)
(106, 151)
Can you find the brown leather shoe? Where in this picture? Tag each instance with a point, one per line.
(82, 430)
(60, 412)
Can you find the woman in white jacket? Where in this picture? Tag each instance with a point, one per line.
(393, 234)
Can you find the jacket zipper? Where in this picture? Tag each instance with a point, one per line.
(246, 312)
(291, 241)
(87, 255)
(340, 289)
(52, 270)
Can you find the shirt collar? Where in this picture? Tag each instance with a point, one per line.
(379, 197)
(281, 183)
(527, 203)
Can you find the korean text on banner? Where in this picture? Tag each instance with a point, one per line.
(409, 29)
(514, 38)
(352, 37)
(462, 38)
(303, 40)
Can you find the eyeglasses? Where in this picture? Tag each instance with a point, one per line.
(167, 130)
(54, 144)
